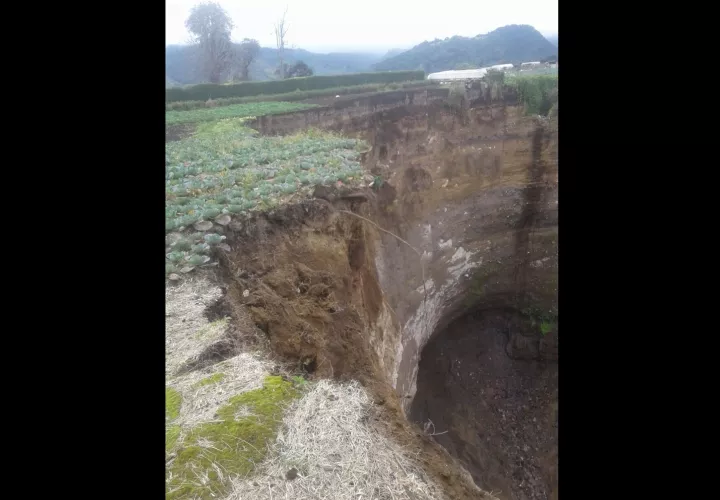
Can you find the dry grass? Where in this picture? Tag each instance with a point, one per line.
(187, 331)
(329, 439)
(187, 334)
(242, 373)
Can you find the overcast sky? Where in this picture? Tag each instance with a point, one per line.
(379, 25)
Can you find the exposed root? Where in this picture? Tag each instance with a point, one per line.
(381, 229)
(422, 263)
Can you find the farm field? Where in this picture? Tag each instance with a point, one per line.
(299, 95)
(226, 169)
(232, 111)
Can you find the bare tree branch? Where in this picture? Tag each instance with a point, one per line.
(281, 29)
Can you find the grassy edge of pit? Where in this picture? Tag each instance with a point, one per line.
(201, 460)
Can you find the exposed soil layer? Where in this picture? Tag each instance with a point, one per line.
(498, 415)
(306, 276)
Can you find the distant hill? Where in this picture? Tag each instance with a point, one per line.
(392, 53)
(509, 44)
(179, 68)
(322, 64)
(553, 39)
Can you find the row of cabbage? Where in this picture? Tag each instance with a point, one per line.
(234, 171)
(234, 111)
(226, 169)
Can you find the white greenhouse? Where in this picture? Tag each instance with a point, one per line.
(461, 74)
(466, 74)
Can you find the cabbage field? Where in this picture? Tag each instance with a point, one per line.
(226, 169)
(233, 111)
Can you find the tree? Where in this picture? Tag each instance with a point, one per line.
(299, 69)
(296, 70)
(210, 28)
(280, 32)
(244, 55)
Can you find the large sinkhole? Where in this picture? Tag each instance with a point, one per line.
(466, 334)
(478, 365)
(487, 392)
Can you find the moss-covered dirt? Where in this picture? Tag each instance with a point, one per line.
(172, 433)
(212, 379)
(173, 401)
(211, 453)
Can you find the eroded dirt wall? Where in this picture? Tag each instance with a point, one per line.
(475, 194)
(357, 115)
(470, 197)
(473, 190)
(305, 274)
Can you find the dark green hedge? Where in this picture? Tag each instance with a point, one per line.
(206, 91)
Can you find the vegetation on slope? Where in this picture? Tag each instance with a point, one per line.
(538, 93)
(509, 44)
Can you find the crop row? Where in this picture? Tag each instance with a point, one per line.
(233, 111)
